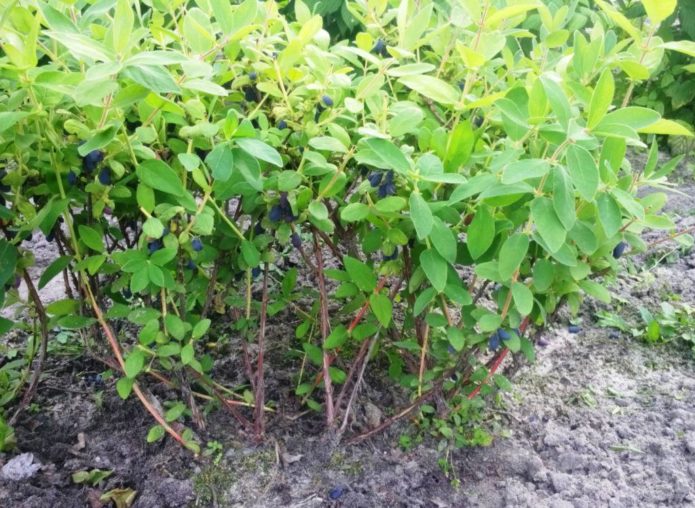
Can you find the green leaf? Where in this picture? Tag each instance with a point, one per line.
(336, 338)
(360, 274)
(432, 88)
(260, 150)
(91, 238)
(122, 25)
(609, 214)
(421, 215)
(153, 77)
(457, 339)
(354, 212)
(318, 210)
(327, 143)
(523, 298)
(175, 326)
(383, 154)
(633, 117)
(124, 386)
(543, 275)
(685, 47)
(596, 290)
(200, 328)
(75, 322)
(187, 354)
(390, 204)
(153, 227)
(221, 162)
(250, 254)
(659, 10)
(549, 226)
(558, 101)
(99, 140)
(512, 253)
(155, 433)
(382, 308)
(667, 128)
(158, 175)
(134, 363)
(583, 171)
(8, 255)
(444, 240)
(481, 232)
(435, 268)
(563, 198)
(51, 271)
(525, 169)
(601, 99)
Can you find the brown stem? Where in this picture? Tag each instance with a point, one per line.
(259, 414)
(330, 412)
(211, 289)
(36, 375)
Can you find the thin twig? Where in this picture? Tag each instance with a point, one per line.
(330, 412)
(36, 375)
(259, 414)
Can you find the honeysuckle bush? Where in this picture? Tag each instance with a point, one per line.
(415, 200)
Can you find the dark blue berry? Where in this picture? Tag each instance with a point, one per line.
(493, 342)
(574, 328)
(296, 240)
(619, 250)
(255, 272)
(380, 48)
(375, 179)
(72, 178)
(92, 160)
(275, 213)
(196, 244)
(462, 84)
(386, 189)
(391, 256)
(327, 100)
(126, 294)
(253, 76)
(282, 125)
(190, 265)
(337, 492)
(477, 121)
(251, 94)
(258, 229)
(154, 246)
(105, 176)
(542, 342)
(504, 334)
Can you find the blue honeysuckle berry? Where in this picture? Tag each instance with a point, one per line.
(127, 294)
(190, 265)
(375, 178)
(105, 176)
(380, 48)
(574, 328)
(477, 121)
(251, 94)
(258, 229)
(253, 76)
(154, 246)
(461, 84)
(92, 160)
(255, 272)
(296, 240)
(392, 256)
(282, 125)
(337, 492)
(619, 250)
(72, 178)
(327, 100)
(196, 244)
(386, 189)
(504, 334)
(494, 341)
(275, 214)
